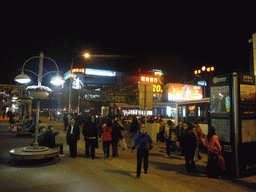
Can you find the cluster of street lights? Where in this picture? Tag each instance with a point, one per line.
(203, 69)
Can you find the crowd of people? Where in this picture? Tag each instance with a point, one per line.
(184, 138)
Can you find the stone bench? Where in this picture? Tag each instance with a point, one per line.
(28, 153)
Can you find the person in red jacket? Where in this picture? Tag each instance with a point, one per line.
(199, 137)
(211, 141)
(107, 137)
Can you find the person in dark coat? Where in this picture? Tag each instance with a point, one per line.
(170, 138)
(90, 133)
(179, 130)
(73, 135)
(47, 138)
(189, 148)
(116, 136)
(65, 119)
(135, 126)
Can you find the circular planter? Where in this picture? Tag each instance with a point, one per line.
(24, 99)
(39, 92)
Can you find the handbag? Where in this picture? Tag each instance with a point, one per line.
(123, 144)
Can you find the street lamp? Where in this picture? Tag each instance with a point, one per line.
(38, 92)
(204, 70)
(86, 55)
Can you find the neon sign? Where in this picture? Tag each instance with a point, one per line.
(78, 70)
(147, 79)
(157, 87)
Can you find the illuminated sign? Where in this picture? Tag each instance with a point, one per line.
(183, 92)
(148, 79)
(78, 81)
(156, 81)
(78, 70)
(100, 72)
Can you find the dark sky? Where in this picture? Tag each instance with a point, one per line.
(177, 38)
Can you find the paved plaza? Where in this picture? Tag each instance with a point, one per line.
(100, 174)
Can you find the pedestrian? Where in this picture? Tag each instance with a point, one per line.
(179, 130)
(189, 147)
(135, 126)
(3, 114)
(65, 120)
(47, 138)
(199, 138)
(73, 135)
(161, 130)
(107, 137)
(116, 136)
(90, 133)
(211, 141)
(144, 142)
(170, 138)
(11, 119)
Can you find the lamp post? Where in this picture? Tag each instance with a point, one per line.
(204, 70)
(38, 92)
(87, 55)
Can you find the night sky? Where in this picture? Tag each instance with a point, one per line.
(177, 38)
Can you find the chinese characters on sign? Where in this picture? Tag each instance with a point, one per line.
(149, 79)
(156, 81)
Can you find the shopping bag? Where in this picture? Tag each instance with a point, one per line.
(124, 146)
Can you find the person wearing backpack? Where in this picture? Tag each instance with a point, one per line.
(211, 141)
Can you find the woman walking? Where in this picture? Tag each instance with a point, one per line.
(211, 141)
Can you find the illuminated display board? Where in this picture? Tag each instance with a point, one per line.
(100, 72)
(78, 81)
(78, 70)
(183, 92)
(155, 80)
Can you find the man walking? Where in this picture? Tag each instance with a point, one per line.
(144, 142)
(73, 135)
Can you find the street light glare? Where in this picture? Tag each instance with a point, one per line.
(87, 55)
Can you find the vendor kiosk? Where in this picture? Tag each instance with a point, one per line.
(233, 114)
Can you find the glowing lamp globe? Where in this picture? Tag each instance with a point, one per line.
(57, 80)
(22, 78)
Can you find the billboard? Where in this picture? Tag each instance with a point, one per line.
(100, 72)
(78, 81)
(184, 92)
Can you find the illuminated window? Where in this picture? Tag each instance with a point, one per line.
(151, 79)
(147, 79)
(143, 78)
(155, 80)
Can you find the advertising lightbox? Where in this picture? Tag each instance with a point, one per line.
(184, 92)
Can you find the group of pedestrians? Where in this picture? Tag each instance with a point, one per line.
(111, 131)
(186, 138)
